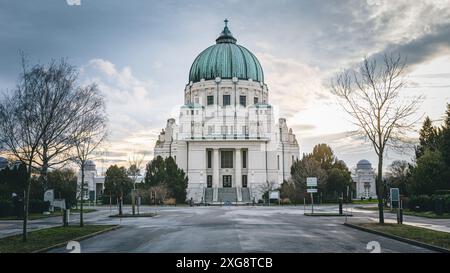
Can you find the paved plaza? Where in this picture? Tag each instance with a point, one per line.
(229, 229)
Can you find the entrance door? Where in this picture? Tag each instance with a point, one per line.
(227, 181)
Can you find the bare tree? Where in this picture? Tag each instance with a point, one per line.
(22, 126)
(67, 103)
(90, 133)
(135, 162)
(371, 96)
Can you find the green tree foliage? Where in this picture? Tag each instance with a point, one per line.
(428, 138)
(155, 172)
(176, 180)
(323, 154)
(445, 138)
(432, 169)
(117, 182)
(165, 172)
(337, 182)
(13, 179)
(64, 184)
(429, 175)
(332, 174)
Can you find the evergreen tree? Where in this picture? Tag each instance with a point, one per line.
(155, 172)
(118, 183)
(445, 139)
(176, 180)
(428, 138)
(323, 154)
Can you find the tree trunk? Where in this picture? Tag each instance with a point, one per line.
(44, 169)
(120, 204)
(379, 188)
(82, 195)
(26, 199)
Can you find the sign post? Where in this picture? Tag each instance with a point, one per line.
(311, 184)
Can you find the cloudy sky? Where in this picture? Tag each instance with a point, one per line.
(140, 52)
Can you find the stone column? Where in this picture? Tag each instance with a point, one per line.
(238, 168)
(216, 168)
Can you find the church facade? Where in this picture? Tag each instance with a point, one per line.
(226, 138)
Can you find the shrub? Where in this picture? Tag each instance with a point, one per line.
(285, 201)
(170, 202)
(38, 206)
(447, 204)
(441, 201)
(421, 203)
(6, 207)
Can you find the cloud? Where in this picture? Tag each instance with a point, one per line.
(292, 84)
(135, 108)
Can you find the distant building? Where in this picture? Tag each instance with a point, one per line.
(94, 183)
(364, 179)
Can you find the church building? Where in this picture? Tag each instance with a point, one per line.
(226, 138)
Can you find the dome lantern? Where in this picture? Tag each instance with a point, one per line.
(226, 36)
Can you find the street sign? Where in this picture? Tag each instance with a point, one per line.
(311, 181)
(395, 197)
(311, 190)
(274, 195)
(395, 194)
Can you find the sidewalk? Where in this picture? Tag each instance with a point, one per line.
(429, 223)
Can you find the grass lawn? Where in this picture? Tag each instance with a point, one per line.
(366, 201)
(36, 216)
(43, 238)
(432, 237)
(426, 214)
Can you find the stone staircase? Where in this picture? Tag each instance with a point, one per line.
(245, 195)
(209, 192)
(227, 195)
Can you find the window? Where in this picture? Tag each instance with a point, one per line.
(243, 100)
(210, 100)
(224, 129)
(255, 100)
(209, 181)
(209, 159)
(245, 130)
(226, 100)
(244, 181)
(226, 159)
(192, 112)
(210, 129)
(244, 159)
(278, 162)
(197, 100)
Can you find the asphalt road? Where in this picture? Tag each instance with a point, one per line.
(233, 229)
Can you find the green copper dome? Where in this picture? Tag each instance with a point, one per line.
(226, 60)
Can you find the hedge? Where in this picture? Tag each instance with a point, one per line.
(434, 203)
(10, 208)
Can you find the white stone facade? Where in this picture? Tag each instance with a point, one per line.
(364, 179)
(234, 116)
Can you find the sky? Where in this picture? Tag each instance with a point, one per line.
(140, 52)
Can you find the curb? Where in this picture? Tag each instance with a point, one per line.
(76, 239)
(401, 239)
(327, 215)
